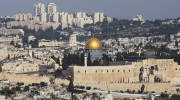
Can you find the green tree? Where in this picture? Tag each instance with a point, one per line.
(142, 88)
(119, 57)
(20, 84)
(106, 60)
(65, 62)
(177, 90)
(8, 56)
(51, 80)
(96, 63)
(12, 43)
(34, 43)
(89, 63)
(43, 84)
(88, 88)
(58, 61)
(26, 88)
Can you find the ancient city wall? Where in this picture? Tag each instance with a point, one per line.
(29, 79)
(125, 77)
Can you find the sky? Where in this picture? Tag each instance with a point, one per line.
(121, 9)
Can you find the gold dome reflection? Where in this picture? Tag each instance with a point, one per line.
(93, 43)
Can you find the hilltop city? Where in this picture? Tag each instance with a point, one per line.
(51, 55)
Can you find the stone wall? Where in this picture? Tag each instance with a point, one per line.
(29, 79)
(123, 77)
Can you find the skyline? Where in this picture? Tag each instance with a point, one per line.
(121, 9)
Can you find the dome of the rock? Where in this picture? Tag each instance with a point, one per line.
(93, 43)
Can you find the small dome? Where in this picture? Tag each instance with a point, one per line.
(93, 43)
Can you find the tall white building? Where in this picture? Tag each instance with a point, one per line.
(101, 17)
(52, 13)
(43, 17)
(52, 8)
(81, 15)
(70, 18)
(98, 17)
(79, 22)
(40, 12)
(64, 20)
(39, 9)
(138, 18)
(55, 17)
(23, 17)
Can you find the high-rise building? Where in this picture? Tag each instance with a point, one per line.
(138, 18)
(70, 18)
(108, 19)
(98, 17)
(40, 12)
(23, 17)
(43, 17)
(39, 9)
(101, 17)
(81, 15)
(52, 8)
(55, 17)
(63, 20)
(52, 14)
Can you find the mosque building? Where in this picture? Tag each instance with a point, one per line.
(93, 48)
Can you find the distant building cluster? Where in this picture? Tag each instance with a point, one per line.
(49, 16)
(139, 18)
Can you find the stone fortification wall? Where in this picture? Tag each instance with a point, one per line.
(158, 75)
(29, 79)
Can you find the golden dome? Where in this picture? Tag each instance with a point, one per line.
(93, 43)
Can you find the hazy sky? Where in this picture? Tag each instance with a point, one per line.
(151, 9)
